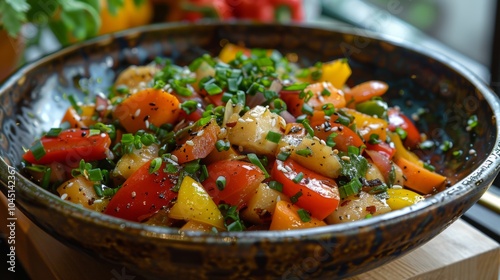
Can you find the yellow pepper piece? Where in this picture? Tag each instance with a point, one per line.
(400, 198)
(402, 152)
(229, 52)
(336, 72)
(368, 125)
(194, 203)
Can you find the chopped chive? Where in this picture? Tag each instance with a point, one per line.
(401, 132)
(38, 150)
(330, 140)
(235, 226)
(429, 167)
(148, 139)
(93, 132)
(255, 160)
(95, 174)
(374, 139)
(212, 88)
(155, 165)
(351, 188)
(127, 138)
(98, 190)
(222, 145)
(74, 104)
(274, 137)
(304, 215)
(54, 132)
(308, 128)
(298, 177)
(325, 92)
(307, 109)
(304, 152)
(295, 197)
(204, 173)
(472, 122)
(171, 168)
(275, 185)
(328, 109)
(189, 106)
(122, 89)
(296, 87)
(220, 182)
(458, 153)
(192, 167)
(46, 177)
(283, 156)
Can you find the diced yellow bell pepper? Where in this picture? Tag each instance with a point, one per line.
(336, 72)
(402, 152)
(368, 125)
(229, 52)
(400, 198)
(194, 203)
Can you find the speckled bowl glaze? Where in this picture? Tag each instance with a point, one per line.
(31, 101)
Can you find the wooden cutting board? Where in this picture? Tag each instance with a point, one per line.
(459, 252)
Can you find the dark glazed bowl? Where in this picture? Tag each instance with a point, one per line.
(31, 101)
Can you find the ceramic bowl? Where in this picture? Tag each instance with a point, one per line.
(31, 101)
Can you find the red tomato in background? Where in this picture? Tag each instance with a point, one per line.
(320, 195)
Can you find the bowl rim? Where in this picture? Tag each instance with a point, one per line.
(459, 188)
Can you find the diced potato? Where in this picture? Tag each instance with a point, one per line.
(373, 173)
(251, 129)
(358, 207)
(79, 190)
(400, 198)
(129, 163)
(322, 158)
(261, 206)
(136, 77)
(194, 203)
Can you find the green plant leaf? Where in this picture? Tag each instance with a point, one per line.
(18, 5)
(11, 18)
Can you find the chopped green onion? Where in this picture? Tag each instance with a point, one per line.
(204, 173)
(279, 106)
(74, 104)
(274, 137)
(275, 185)
(351, 188)
(189, 106)
(308, 128)
(304, 152)
(159, 84)
(429, 167)
(122, 89)
(255, 160)
(98, 190)
(220, 182)
(374, 139)
(212, 89)
(148, 139)
(38, 150)
(283, 156)
(401, 132)
(295, 197)
(325, 92)
(155, 165)
(447, 145)
(94, 132)
(222, 145)
(54, 132)
(46, 177)
(306, 95)
(296, 87)
(298, 178)
(472, 122)
(304, 215)
(171, 168)
(328, 108)
(458, 153)
(330, 140)
(307, 109)
(192, 167)
(95, 174)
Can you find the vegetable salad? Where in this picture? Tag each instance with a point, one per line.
(247, 140)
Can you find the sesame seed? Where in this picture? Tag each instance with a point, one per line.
(137, 113)
(133, 194)
(190, 142)
(174, 158)
(346, 158)
(200, 133)
(64, 196)
(472, 152)
(397, 187)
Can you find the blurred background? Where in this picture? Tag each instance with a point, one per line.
(465, 31)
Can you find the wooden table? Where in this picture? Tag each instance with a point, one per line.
(459, 252)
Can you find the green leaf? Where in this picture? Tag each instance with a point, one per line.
(18, 5)
(11, 19)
